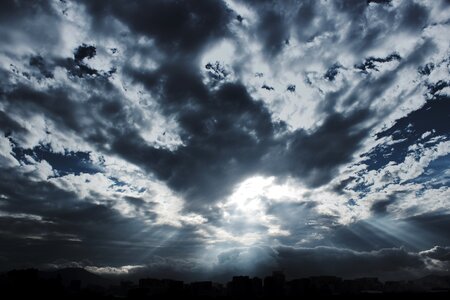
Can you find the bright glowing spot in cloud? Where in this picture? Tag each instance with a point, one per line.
(245, 217)
(267, 187)
(223, 52)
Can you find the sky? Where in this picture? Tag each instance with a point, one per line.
(204, 139)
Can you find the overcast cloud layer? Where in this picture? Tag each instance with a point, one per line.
(199, 139)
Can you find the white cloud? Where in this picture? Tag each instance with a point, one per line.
(6, 158)
(122, 270)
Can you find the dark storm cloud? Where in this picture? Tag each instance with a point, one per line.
(28, 23)
(347, 263)
(438, 252)
(437, 224)
(380, 207)
(351, 7)
(388, 264)
(11, 9)
(364, 35)
(98, 119)
(314, 156)
(226, 133)
(182, 93)
(415, 16)
(417, 233)
(379, 1)
(179, 27)
(55, 103)
(273, 32)
(39, 63)
(44, 223)
(9, 125)
(77, 65)
(78, 68)
(299, 262)
(332, 72)
(306, 14)
(230, 135)
(84, 51)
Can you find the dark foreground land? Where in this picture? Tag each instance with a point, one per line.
(73, 283)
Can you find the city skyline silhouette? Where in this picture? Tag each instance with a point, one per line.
(201, 145)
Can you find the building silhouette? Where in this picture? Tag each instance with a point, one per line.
(274, 285)
(244, 286)
(34, 284)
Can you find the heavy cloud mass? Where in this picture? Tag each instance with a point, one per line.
(204, 139)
